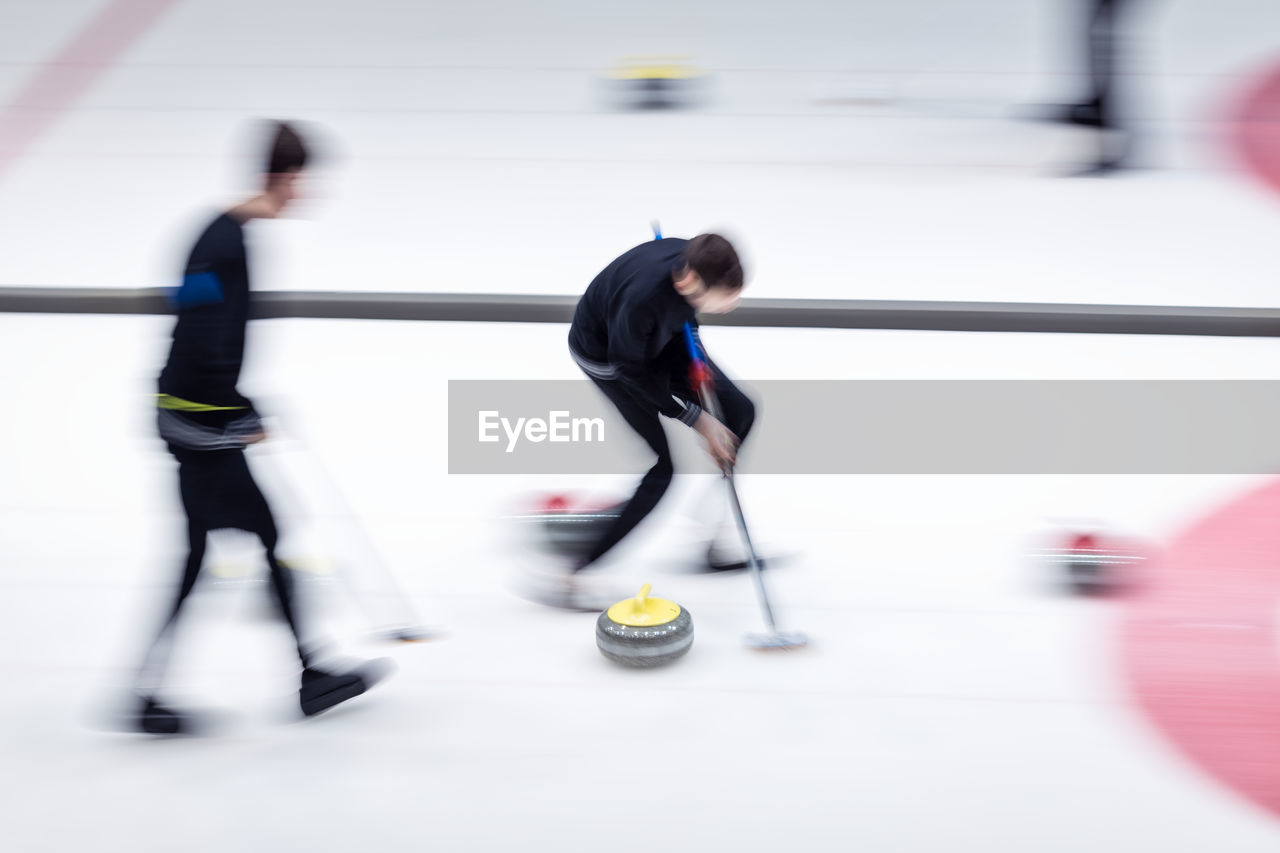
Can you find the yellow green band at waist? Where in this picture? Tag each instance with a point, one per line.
(177, 404)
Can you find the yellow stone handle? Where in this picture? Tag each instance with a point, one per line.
(639, 602)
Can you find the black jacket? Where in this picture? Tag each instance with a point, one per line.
(200, 405)
(630, 315)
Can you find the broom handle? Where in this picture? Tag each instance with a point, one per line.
(704, 384)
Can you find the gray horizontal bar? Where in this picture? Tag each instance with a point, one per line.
(791, 313)
(82, 300)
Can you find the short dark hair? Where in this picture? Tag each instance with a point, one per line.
(288, 152)
(715, 261)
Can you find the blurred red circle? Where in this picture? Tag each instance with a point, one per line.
(1255, 128)
(1198, 645)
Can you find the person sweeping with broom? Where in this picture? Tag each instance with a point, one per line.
(628, 336)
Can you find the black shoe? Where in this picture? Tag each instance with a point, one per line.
(155, 719)
(408, 634)
(1113, 156)
(728, 558)
(712, 567)
(1082, 115)
(1087, 114)
(1096, 169)
(322, 690)
(727, 553)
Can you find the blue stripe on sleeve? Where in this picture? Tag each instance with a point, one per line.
(201, 288)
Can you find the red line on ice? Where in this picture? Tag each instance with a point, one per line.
(71, 72)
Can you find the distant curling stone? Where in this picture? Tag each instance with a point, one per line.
(655, 82)
(572, 528)
(1092, 564)
(644, 632)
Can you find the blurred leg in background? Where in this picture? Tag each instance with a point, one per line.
(1105, 47)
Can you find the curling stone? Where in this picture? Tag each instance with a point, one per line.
(654, 82)
(644, 632)
(571, 527)
(1092, 564)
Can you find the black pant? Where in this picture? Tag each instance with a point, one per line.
(219, 492)
(1102, 40)
(737, 409)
